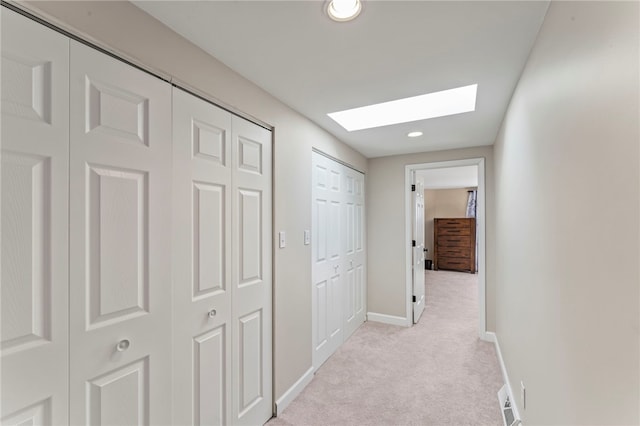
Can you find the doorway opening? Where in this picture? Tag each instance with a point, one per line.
(412, 175)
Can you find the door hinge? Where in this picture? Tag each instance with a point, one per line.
(413, 243)
(413, 188)
(414, 299)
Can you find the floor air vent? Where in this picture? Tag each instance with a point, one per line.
(509, 415)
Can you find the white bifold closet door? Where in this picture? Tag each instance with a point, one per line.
(338, 255)
(120, 248)
(222, 266)
(90, 179)
(34, 290)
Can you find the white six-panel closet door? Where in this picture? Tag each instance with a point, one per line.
(222, 266)
(34, 291)
(120, 257)
(87, 184)
(338, 255)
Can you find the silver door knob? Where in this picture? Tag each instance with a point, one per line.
(212, 313)
(123, 345)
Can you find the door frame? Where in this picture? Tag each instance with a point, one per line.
(481, 230)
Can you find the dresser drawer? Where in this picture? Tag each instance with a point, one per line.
(453, 223)
(454, 241)
(455, 252)
(466, 230)
(454, 264)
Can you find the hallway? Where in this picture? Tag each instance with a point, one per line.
(435, 373)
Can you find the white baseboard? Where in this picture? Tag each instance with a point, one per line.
(388, 319)
(291, 393)
(488, 336)
(505, 376)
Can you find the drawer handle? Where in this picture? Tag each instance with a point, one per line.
(123, 345)
(212, 313)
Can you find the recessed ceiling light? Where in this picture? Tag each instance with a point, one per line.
(414, 134)
(344, 10)
(421, 107)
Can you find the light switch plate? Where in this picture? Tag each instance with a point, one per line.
(283, 239)
(307, 237)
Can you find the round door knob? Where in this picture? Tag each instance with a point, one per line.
(212, 313)
(123, 345)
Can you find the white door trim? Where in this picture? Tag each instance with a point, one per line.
(480, 222)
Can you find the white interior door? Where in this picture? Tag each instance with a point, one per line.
(201, 262)
(251, 274)
(120, 211)
(34, 289)
(418, 250)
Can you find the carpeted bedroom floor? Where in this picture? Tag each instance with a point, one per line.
(435, 373)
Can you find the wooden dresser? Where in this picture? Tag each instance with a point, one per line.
(454, 244)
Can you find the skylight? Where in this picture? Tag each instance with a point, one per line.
(421, 107)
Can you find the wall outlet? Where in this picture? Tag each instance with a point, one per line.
(523, 396)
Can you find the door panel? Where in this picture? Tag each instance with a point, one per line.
(327, 247)
(250, 217)
(250, 361)
(120, 397)
(34, 289)
(201, 261)
(210, 377)
(251, 273)
(354, 259)
(418, 250)
(120, 171)
(209, 248)
(117, 245)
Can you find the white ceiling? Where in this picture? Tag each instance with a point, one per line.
(449, 177)
(394, 49)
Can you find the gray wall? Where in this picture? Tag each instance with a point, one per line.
(567, 208)
(386, 229)
(121, 27)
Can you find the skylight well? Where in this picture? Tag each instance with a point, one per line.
(421, 107)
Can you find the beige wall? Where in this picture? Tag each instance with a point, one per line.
(386, 228)
(567, 209)
(127, 30)
(442, 203)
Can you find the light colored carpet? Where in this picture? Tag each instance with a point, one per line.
(435, 373)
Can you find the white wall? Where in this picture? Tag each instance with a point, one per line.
(121, 27)
(386, 228)
(567, 214)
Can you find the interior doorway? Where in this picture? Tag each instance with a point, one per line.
(456, 168)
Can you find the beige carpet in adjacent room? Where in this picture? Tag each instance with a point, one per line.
(435, 373)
